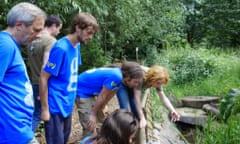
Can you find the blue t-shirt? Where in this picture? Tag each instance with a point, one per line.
(62, 64)
(91, 81)
(16, 97)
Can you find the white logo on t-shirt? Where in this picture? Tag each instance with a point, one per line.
(29, 97)
(73, 77)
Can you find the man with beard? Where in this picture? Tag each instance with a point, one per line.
(97, 86)
(58, 79)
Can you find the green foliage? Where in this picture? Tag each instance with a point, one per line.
(64, 9)
(230, 104)
(225, 74)
(151, 56)
(213, 22)
(125, 24)
(148, 25)
(128, 24)
(192, 68)
(5, 6)
(92, 56)
(220, 133)
(191, 65)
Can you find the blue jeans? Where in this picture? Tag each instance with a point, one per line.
(57, 129)
(37, 108)
(125, 97)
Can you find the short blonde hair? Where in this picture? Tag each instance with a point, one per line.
(156, 73)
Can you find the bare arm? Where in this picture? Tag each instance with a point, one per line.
(43, 92)
(137, 98)
(175, 116)
(165, 100)
(45, 58)
(102, 99)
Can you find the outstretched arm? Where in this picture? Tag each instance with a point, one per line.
(102, 99)
(175, 116)
(137, 98)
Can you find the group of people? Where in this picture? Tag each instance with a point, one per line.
(127, 81)
(55, 86)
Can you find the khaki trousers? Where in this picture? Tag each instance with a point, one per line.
(84, 106)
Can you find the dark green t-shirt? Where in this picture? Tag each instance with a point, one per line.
(36, 52)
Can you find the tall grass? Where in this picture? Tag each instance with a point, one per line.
(212, 86)
(224, 75)
(220, 133)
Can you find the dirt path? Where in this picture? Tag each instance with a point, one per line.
(76, 133)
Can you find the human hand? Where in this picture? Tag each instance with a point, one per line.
(142, 122)
(45, 115)
(105, 111)
(175, 116)
(92, 122)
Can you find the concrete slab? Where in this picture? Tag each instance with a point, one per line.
(198, 101)
(192, 116)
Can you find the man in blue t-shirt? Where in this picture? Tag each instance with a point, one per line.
(24, 21)
(58, 79)
(103, 83)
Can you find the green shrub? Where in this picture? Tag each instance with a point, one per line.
(220, 133)
(193, 67)
(151, 56)
(222, 70)
(93, 56)
(230, 104)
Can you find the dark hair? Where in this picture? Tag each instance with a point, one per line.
(129, 69)
(117, 128)
(84, 20)
(52, 19)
